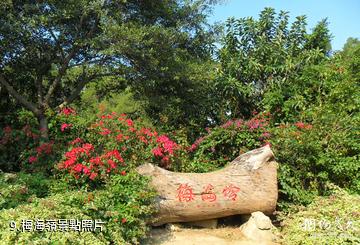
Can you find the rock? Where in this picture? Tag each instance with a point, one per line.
(259, 228)
(209, 223)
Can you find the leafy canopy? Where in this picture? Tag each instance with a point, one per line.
(261, 53)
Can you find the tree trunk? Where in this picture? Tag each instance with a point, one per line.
(246, 185)
(43, 127)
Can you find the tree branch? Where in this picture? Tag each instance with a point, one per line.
(39, 86)
(27, 104)
(83, 80)
(66, 61)
(62, 72)
(57, 43)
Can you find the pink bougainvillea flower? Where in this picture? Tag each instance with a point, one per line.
(76, 141)
(105, 131)
(302, 125)
(93, 176)
(239, 123)
(115, 153)
(86, 170)
(88, 148)
(192, 147)
(78, 168)
(299, 124)
(129, 122)
(108, 116)
(266, 135)
(227, 124)
(157, 152)
(165, 159)
(143, 139)
(33, 159)
(96, 161)
(119, 137)
(45, 148)
(111, 163)
(68, 111)
(162, 139)
(65, 126)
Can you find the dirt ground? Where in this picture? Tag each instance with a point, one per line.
(193, 236)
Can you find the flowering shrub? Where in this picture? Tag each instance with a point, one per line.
(222, 144)
(311, 157)
(114, 144)
(123, 207)
(13, 142)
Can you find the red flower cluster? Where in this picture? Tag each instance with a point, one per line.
(165, 149)
(194, 146)
(28, 132)
(76, 141)
(83, 161)
(32, 159)
(113, 133)
(302, 125)
(68, 111)
(64, 126)
(7, 135)
(45, 148)
(258, 122)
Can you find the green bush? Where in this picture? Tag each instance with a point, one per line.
(311, 156)
(224, 143)
(13, 142)
(326, 96)
(16, 189)
(332, 220)
(123, 204)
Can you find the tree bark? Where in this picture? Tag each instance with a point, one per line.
(43, 126)
(246, 185)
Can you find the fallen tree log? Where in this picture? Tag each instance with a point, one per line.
(245, 185)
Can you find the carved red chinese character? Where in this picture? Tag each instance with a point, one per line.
(185, 193)
(230, 192)
(208, 194)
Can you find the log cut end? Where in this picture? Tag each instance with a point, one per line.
(254, 159)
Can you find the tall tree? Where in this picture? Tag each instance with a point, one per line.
(50, 50)
(263, 52)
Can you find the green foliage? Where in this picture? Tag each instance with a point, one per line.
(224, 143)
(124, 204)
(16, 189)
(12, 144)
(264, 52)
(326, 96)
(50, 51)
(336, 220)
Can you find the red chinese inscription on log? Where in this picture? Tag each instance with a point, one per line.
(208, 194)
(185, 193)
(230, 192)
